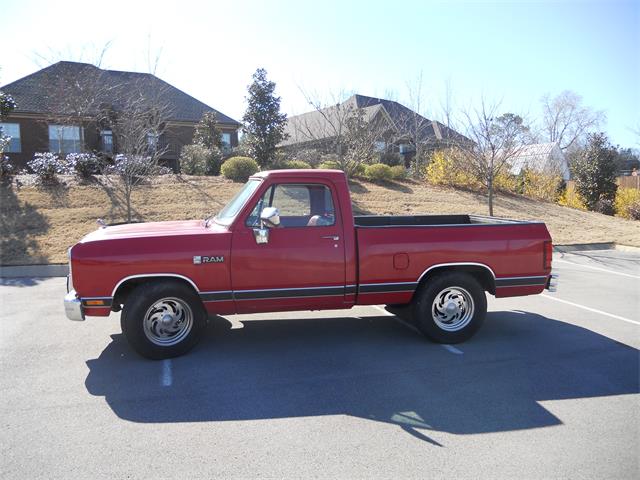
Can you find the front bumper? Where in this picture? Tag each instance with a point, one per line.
(552, 283)
(73, 307)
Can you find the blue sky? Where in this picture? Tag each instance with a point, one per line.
(513, 52)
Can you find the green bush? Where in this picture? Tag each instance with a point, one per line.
(378, 172)
(239, 169)
(330, 165)
(398, 172)
(391, 158)
(199, 160)
(296, 164)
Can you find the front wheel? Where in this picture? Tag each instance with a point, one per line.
(450, 307)
(163, 319)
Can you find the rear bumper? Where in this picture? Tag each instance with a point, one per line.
(73, 307)
(552, 283)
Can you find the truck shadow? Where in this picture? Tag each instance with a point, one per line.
(372, 368)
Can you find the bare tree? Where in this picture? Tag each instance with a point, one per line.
(495, 141)
(566, 121)
(138, 126)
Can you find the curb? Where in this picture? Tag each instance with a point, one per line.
(578, 247)
(33, 271)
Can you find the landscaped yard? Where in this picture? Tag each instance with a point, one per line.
(38, 225)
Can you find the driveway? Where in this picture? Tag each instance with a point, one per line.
(548, 388)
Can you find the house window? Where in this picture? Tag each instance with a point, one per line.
(152, 141)
(226, 140)
(65, 139)
(106, 140)
(379, 146)
(405, 148)
(11, 130)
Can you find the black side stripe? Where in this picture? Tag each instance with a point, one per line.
(388, 287)
(288, 293)
(347, 290)
(216, 296)
(520, 281)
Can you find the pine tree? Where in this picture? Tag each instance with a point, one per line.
(595, 174)
(207, 132)
(263, 123)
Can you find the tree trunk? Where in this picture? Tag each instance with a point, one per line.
(490, 188)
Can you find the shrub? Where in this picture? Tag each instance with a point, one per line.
(445, 168)
(330, 165)
(398, 172)
(197, 159)
(83, 164)
(571, 198)
(605, 206)
(628, 203)
(391, 158)
(378, 172)
(540, 185)
(47, 166)
(296, 164)
(505, 182)
(6, 168)
(239, 169)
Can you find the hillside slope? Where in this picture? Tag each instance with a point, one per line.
(37, 225)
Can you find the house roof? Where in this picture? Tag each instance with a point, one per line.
(317, 125)
(39, 92)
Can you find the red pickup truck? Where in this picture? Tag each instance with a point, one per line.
(289, 240)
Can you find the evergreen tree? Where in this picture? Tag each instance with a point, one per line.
(207, 132)
(595, 173)
(263, 123)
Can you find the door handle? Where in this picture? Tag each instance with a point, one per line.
(335, 238)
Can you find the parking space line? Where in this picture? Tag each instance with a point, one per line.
(167, 375)
(379, 308)
(613, 272)
(594, 310)
(452, 349)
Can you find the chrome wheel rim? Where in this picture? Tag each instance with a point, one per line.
(168, 321)
(452, 309)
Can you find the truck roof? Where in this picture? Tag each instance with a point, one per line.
(334, 175)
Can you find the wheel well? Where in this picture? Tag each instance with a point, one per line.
(125, 288)
(482, 274)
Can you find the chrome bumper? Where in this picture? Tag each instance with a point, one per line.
(552, 283)
(73, 307)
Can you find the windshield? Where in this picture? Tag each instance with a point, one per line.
(229, 212)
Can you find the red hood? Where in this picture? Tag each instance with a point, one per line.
(152, 229)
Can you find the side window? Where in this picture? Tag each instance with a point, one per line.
(308, 205)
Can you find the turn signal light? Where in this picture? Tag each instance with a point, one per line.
(547, 255)
(94, 303)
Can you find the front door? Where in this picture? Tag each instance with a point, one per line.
(302, 266)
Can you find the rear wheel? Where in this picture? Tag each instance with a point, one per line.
(450, 307)
(163, 319)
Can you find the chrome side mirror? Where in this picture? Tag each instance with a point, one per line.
(270, 216)
(261, 235)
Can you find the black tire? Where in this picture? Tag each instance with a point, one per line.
(174, 300)
(459, 324)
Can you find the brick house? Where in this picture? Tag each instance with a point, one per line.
(61, 109)
(399, 127)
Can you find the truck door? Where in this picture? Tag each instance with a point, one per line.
(302, 264)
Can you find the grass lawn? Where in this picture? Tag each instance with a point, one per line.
(38, 225)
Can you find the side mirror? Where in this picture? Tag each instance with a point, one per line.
(270, 216)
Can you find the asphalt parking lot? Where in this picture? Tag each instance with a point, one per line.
(548, 388)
